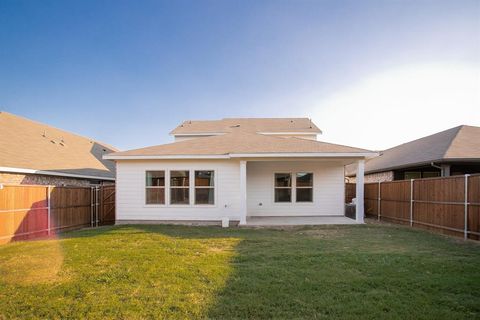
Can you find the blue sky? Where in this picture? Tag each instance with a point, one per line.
(127, 72)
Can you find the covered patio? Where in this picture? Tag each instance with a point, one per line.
(297, 190)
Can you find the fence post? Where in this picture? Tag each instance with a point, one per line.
(379, 201)
(96, 205)
(91, 207)
(465, 229)
(49, 214)
(411, 202)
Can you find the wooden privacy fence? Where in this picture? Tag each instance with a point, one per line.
(450, 205)
(35, 211)
(350, 192)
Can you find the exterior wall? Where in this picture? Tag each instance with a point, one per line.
(35, 179)
(131, 191)
(328, 189)
(375, 177)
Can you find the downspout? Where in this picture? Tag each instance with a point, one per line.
(438, 167)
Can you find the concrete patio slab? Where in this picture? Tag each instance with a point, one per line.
(298, 221)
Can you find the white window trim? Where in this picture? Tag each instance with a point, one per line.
(203, 187)
(293, 200)
(309, 187)
(191, 189)
(145, 189)
(275, 187)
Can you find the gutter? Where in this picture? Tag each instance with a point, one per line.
(52, 173)
(435, 166)
(245, 155)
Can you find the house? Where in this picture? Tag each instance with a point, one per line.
(35, 153)
(236, 170)
(455, 151)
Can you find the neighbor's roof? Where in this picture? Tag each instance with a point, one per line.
(239, 143)
(27, 144)
(277, 125)
(459, 143)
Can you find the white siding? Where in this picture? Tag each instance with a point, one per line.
(131, 191)
(328, 189)
(328, 197)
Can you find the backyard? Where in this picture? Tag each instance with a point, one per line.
(128, 272)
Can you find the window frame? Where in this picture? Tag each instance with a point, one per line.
(293, 199)
(214, 187)
(303, 187)
(189, 188)
(275, 188)
(164, 187)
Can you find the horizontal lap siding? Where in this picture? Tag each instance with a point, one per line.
(329, 189)
(131, 191)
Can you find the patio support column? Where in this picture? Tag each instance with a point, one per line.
(243, 192)
(359, 189)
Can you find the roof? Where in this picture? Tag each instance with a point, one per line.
(459, 143)
(239, 142)
(27, 144)
(271, 125)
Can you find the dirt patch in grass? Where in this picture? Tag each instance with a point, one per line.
(43, 265)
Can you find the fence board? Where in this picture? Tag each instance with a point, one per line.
(437, 204)
(350, 192)
(24, 211)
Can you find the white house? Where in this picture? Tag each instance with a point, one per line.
(236, 170)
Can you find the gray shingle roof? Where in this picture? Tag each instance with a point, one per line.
(459, 143)
(27, 144)
(225, 125)
(240, 142)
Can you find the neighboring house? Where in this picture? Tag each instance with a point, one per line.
(235, 169)
(455, 151)
(35, 153)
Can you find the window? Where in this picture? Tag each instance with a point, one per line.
(283, 187)
(430, 174)
(155, 187)
(179, 187)
(304, 187)
(412, 175)
(204, 187)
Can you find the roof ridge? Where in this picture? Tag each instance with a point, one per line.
(421, 138)
(458, 129)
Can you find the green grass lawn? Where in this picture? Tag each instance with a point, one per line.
(349, 272)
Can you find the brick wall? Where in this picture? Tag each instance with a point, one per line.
(375, 177)
(18, 178)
